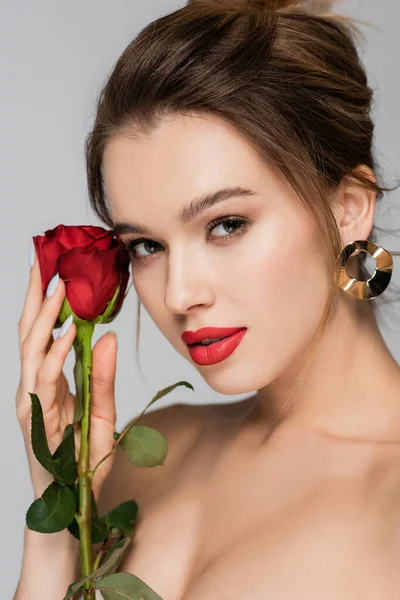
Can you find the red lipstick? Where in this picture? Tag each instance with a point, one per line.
(216, 351)
(192, 337)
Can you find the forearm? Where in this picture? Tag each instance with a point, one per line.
(50, 564)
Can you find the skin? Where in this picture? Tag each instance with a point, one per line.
(318, 477)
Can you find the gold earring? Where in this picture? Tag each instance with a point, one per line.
(378, 282)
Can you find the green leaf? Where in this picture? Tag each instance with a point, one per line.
(125, 586)
(99, 528)
(53, 511)
(74, 529)
(145, 446)
(74, 488)
(73, 526)
(67, 470)
(39, 440)
(76, 587)
(115, 536)
(78, 377)
(112, 558)
(67, 431)
(128, 531)
(169, 389)
(122, 516)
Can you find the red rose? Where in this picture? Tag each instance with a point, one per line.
(91, 262)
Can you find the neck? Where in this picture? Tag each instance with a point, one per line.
(351, 388)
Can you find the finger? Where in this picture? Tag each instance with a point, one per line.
(51, 368)
(47, 376)
(33, 302)
(104, 361)
(38, 341)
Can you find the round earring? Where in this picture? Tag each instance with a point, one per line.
(378, 282)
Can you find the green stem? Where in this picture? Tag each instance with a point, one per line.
(84, 333)
(98, 560)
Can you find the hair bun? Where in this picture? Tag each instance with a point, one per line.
(310, 6)
(272, 4)
(305, 5)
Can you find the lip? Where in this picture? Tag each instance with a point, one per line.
(218, 351)
(192, 337)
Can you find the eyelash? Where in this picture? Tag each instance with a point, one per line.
(131, 244)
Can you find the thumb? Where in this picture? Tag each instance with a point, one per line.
(104, 365)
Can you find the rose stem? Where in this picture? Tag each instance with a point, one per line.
(84, 333)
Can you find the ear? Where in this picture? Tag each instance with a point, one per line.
(354, 207)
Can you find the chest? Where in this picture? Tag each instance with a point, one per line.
(247, 528)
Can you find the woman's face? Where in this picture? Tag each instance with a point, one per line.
(265, 272)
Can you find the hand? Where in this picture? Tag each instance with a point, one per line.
(42, 362)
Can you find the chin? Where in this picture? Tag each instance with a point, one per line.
(227, 384)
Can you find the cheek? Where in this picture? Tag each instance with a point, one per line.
(284, 285)
(147, 282)
(149, 286)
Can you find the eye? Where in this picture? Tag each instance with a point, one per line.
(239, 224)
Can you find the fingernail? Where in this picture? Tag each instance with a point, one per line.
(66, 325)
(114, 334)
(51, 288)
(31, 255)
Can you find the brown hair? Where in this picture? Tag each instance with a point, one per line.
(285, 74)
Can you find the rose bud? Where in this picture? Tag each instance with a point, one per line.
(94, 266)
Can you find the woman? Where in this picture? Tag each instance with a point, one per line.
(232, 154)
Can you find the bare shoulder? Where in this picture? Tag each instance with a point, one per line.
(182, 425)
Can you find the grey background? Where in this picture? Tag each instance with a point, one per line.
(54, 56)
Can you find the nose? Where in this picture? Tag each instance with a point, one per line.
(188, 283)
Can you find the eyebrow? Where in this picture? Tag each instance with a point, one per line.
(191, 210)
